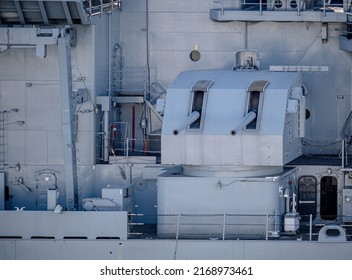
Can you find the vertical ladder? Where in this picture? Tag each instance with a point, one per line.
(116, 69)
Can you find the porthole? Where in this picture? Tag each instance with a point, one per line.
(293, 4)
(194, 55)
(278, 4)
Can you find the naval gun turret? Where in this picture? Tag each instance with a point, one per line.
(247, 119)
(232, 132)
(187, 122)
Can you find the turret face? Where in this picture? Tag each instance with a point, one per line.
(233, 118)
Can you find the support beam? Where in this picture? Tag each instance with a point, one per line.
(67, 119)
(19, 12)
(29, 12)
(43, 12)
(82, 13)
(67, 12)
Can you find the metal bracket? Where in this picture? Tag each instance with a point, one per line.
(80, 96)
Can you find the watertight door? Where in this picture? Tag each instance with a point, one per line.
(328, 198)
(307, 191)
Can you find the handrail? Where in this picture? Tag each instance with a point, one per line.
(97, 7)
(237, 226)
(324, 7)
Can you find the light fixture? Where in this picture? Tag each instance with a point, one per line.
(58, 209)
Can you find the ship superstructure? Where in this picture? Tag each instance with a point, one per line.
(183, 129)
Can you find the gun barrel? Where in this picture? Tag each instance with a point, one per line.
(245, 121)
(188, 121)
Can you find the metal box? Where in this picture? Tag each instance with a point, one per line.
(121, 195)
(291, 222)
(347, 205)
(220, 207)
(52, 198)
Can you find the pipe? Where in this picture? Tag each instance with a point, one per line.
(109, 55)
(147, 48)
(294, 204)
(343, 153)
(188, 121)
(133, 126)
(245, 121)
(244, 35)
(287, 198)
(310, 226)
(224, 227)
(276, 222)
(267, 227)
(106, 135)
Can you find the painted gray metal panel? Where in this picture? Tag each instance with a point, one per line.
(2, 249)
(34, 68)
(172, 249)
(280, 16)
(8, 249)
(68, 250)
(43, 105)
(69, 224)
(345, 43)
(207, 195)
(16, 72)
(55, 148)
(199, 6)
(2, 191)
(297, 250)
(44, 11)
(37, 150)
(170, 45)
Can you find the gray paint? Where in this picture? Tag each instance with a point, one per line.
(68, 119)
(171, 249)
(2, 191)
(164, 38)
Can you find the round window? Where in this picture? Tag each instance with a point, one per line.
(194, 55)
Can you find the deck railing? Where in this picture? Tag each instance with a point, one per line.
(237, 227)
(298, 6)
(97, 7)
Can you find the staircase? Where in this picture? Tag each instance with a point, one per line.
(156, 91)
